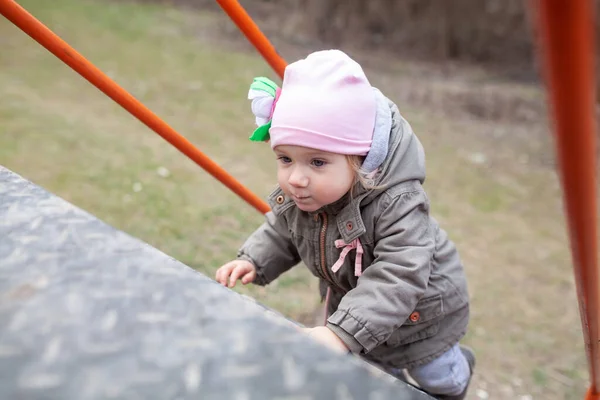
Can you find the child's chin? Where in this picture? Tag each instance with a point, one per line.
(307, 207)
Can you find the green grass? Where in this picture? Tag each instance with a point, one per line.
(62, 133)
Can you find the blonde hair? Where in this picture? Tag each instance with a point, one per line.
(360, 176)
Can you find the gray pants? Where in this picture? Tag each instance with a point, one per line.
(448, 374)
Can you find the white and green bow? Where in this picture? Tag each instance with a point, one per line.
(263, 93)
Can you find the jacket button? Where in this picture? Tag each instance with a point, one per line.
(279, 199)
(349, 225)
(415, 316)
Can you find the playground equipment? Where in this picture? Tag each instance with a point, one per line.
(88, 312)
(567, 42)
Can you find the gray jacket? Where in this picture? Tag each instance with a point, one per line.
(411, 302)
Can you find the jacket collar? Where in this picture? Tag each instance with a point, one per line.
(347, 211)
(279, 202)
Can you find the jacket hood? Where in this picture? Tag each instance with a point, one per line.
(405, 159)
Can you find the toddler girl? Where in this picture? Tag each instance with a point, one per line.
(351, 207)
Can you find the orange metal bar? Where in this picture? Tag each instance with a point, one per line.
(241, 18)
(567, 39)
(592, 396)
(44, 36)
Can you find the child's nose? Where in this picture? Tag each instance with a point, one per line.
(298, 178)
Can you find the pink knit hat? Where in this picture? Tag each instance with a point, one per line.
(325, 103)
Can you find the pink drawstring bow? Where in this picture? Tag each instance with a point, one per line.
(355, 244)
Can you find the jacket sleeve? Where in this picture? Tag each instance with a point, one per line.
(389, 289)
(270, 249)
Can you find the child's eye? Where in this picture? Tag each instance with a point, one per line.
(318, 163)
(284, 159)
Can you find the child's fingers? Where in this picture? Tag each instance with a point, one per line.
(249, 277)
(218, 275)
(238, 271)
(224, 272)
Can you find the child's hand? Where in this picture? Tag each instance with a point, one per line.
(229, 273)
(327, 337)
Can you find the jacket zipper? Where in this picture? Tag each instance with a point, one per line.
(322, 242)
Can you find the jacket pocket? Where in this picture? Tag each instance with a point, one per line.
(422, 323)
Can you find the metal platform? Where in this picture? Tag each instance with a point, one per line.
(89, 312)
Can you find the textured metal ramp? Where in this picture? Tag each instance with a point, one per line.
(88, 312)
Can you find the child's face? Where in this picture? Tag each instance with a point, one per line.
(312, 178)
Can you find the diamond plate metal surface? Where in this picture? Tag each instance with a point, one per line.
(89, 312)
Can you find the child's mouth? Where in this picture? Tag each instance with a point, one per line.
(301, 198)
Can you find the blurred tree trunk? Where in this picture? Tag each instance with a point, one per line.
(479, 30)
